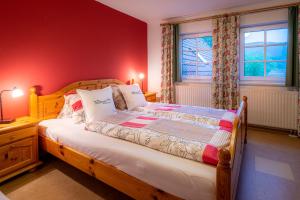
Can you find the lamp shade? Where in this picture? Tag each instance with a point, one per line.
(141, 76)
(16, 92)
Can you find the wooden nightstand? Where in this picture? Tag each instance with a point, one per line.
(150, 96)
(18, 147)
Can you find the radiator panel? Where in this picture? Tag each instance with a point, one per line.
(267, 106)
(193, 94)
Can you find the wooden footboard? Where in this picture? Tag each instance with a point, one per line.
(227, 171)
(230, 158)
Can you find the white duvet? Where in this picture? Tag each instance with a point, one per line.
(178, 176)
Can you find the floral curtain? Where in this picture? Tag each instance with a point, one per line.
(168, 59)
(225, 77)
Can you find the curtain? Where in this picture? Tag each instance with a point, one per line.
(298, 33)
(292, 69)
(225, 77)
(169, 59)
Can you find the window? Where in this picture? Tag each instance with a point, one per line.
(264, 53)
(196, 56)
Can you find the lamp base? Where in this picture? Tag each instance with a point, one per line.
(7, 121)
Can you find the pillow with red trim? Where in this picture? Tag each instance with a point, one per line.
(73, 107)
(66, 111)
(75, 103)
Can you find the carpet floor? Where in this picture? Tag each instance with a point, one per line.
(270, 171)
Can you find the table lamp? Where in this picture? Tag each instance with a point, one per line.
(141, 77)
(15, 92)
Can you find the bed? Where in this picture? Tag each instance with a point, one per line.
(148, 174)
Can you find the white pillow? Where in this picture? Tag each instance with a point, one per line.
(133, 96)
(97, 104)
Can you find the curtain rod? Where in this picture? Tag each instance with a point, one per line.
(233, 13)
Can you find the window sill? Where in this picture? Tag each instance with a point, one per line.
(262, 83)
(195, 81)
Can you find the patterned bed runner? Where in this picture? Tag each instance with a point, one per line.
(202, 115)
(184, 140)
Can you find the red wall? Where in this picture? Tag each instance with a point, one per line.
(51, 43)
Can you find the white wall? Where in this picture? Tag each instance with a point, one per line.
(196, 27)
(154, 57)
(154, 35)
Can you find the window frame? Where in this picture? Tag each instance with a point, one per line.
(265, 80)
(202, 79)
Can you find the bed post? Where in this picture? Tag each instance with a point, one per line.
(33, 103)
(224, 175)
(245, 99)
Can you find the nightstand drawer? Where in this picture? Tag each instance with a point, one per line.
(17, 135)
(17, 155)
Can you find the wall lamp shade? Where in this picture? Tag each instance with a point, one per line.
(141, 76)
(15, 93)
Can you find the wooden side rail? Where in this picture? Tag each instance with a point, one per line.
(109, 174)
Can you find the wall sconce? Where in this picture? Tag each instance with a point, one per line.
(15, 93)
(141, 77)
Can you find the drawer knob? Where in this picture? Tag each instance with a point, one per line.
(6, 156)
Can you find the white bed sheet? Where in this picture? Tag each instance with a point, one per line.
(184, 178)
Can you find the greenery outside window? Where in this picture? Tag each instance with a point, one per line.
(264, 54)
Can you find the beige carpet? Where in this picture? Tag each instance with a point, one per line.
(53, 185)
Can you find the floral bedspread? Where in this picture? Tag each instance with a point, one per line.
(190, 141)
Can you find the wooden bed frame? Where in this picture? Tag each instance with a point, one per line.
(227, 170)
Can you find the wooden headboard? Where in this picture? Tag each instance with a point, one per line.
(49, 106)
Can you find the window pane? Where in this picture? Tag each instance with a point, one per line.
(189, 69)
(204, 56)
(196, 56)
(277, 36)
(254, 38)
(188, 56)
(254, 53)
(204, 69)
(205, 42)
(277, 52)
(189, 44)
(254, 69)
(276, 69)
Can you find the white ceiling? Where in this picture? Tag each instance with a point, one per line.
(153, 10)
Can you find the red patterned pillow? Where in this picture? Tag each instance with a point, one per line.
(73, 107)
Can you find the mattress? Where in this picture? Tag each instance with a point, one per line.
(178, 176)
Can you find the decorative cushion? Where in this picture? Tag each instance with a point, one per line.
(66, 111)
(97, 104)
(72, 107)
(78, 114)
(118, 98)
(133, 96)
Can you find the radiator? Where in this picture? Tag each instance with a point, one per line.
(267, 106)
(193, 94)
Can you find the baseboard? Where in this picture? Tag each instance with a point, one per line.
(272, 129)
